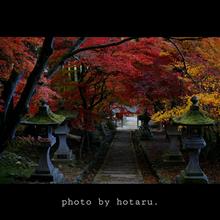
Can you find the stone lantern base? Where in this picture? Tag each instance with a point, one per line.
(54, 176)
(173, 158)
(45, 171)
(64, 156)
(183, 178)
(41, 177)
(193, 172)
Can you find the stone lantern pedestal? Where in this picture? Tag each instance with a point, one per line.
(173, 155)
(63, 153)
(193, 172)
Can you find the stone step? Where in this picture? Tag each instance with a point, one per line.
(117, 178)
(117, 172)
(120, 165)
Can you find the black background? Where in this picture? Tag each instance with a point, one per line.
(185, 199)
(109, 19)
(112, 18)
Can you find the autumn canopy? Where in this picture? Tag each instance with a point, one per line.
(96, 75)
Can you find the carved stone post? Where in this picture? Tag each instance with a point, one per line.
(63, 152)
(173, 155)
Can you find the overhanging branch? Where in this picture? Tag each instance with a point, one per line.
(184, 64)
(73, 52)
(66, 56)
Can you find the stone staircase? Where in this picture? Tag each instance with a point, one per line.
(120, 165)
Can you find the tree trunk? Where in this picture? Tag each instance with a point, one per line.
(8, 126)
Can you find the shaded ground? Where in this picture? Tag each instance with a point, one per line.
(83, 172)
(212, 171)
(147, 171)
(158, 146)
(155, 149)
(71, 170)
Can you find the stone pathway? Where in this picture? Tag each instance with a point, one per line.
(120, 165)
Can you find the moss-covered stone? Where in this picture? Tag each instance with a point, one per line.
(44, 117)
(194, 118)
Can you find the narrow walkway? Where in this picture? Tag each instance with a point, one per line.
(120, 165)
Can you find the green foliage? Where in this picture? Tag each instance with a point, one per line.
(14, 168)
(18, 162)
(26, 147)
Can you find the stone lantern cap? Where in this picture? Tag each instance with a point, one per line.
(194, 116)
(44, 116)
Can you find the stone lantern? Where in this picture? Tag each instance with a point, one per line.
(43, 124)
(144, 128)
(173, 156)
(193, 142)
(63, 152)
